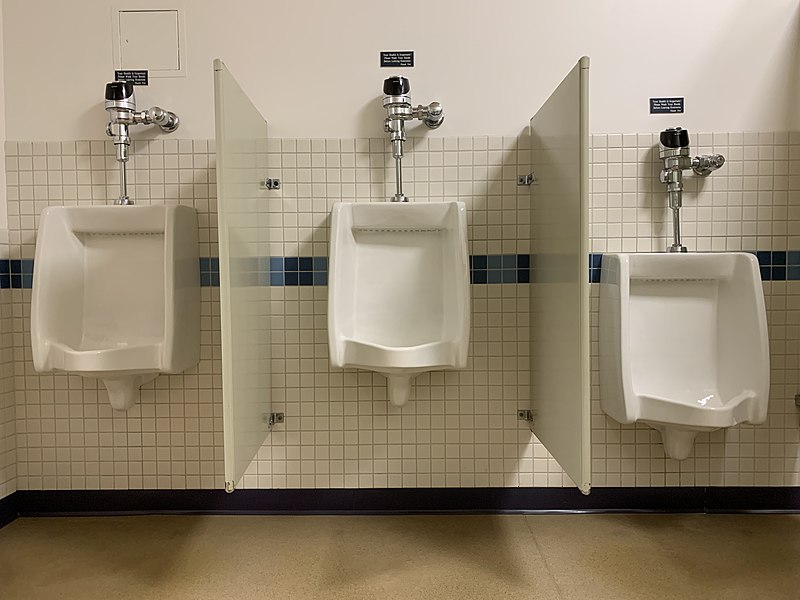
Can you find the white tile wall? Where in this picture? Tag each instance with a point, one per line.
(460, 428)
(8, 448)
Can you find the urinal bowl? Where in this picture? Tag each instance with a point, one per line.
(400, 365)
(398, 290)
(122, 369)
(683, 343)
(679, 422)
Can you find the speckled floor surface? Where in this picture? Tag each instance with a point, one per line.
(613, 557)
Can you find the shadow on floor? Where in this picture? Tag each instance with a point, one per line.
(104, 547)
(491, 548)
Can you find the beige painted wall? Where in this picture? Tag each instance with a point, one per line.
(312, 67)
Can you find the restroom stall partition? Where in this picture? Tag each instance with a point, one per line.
(560, 378)
(241, 140)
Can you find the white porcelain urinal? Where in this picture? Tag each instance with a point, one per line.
(398, 290)
(116, 294)
(683, 343)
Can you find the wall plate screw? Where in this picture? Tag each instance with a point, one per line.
(525, 415)
(273, 418)
(271, 184)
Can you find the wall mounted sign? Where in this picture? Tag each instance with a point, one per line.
(663, 106)
(135, 77)
(397, 59)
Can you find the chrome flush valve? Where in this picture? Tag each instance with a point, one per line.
(674, 151)
(397, 102)
(121, 107)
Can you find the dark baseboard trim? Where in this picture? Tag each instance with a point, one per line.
(400, 501)
(755, 499)
(8, 509)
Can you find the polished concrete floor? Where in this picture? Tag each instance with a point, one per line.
(561, 557)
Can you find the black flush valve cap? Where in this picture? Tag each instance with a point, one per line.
(119, 90)
(396, 86)
(675, 138)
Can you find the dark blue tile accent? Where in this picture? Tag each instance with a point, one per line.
(523, 261)
(213, 264)
(214, 279)
(594, 275)
(15, 266)
(305, 263)
(764, 258)
(595, 261)
(291, 263)
(779, 258)
(5, 266)
(765, 273)
(778, 274)
(203, 264)
(479, 262)
(523, 276)
(16, 280)
(275, 263)
(305, 278)
(291, 278)
(320, 263)
(5, 281)
(479, 277)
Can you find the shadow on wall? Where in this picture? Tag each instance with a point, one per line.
(777, 88)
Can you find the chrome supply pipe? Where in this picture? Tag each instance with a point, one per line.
(674, 151)
(397, 102)
(121, 106)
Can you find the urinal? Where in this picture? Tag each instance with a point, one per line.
(398, 290)
(683, 343)
(116, 294)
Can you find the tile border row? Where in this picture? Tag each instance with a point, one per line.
(484, 269)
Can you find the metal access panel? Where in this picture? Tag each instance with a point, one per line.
(241, 140)
(560, 382)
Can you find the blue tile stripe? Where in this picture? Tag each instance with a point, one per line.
(595, 260)
(779, 265)
(313, 270)
(499, 268)
(298, 270)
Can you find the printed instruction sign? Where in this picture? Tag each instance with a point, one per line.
(666, 106)
(397, 59)
(135, 77)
